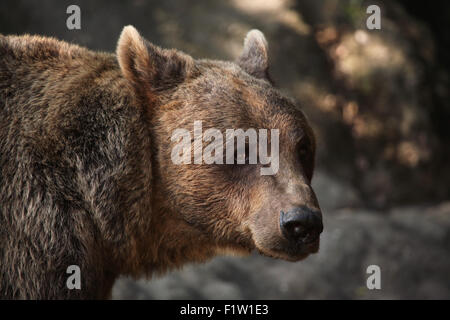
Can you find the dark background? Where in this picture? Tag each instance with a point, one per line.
(378, 101)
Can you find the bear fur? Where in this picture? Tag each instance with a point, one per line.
(85, 172)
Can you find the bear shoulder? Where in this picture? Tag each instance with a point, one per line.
(38, 48)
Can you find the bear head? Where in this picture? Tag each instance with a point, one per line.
(235, 204)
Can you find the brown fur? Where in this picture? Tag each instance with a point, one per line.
(85, 171)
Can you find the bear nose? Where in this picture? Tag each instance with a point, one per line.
(301, 224)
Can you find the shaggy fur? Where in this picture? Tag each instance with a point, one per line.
(85, 170)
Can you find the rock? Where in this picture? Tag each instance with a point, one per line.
(334, 193)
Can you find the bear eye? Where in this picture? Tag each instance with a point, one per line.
(306, 158)
(303, 150)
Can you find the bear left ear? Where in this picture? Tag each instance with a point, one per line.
(149, 67)
(254, 59)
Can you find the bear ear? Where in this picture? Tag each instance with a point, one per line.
(254, 59)
(149, 67)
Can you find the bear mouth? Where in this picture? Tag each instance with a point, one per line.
(291, 254)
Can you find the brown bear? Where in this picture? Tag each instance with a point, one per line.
(87, 176)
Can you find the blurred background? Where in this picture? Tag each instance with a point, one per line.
(379, 103)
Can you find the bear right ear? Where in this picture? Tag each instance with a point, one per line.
(149, 67)
(254, 59)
